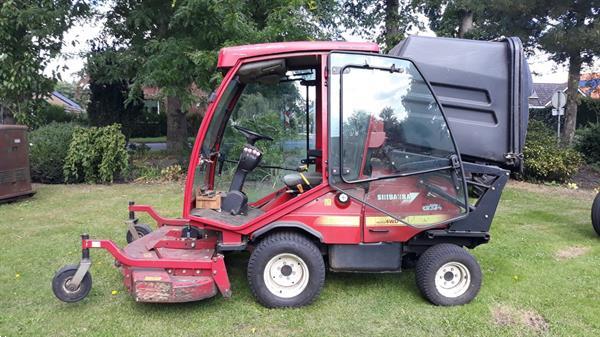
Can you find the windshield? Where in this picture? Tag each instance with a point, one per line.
(283, 110)
(222, 112)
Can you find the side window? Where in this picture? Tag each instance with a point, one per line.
(390, 140)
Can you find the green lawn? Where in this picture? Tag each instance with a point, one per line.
(527, 290)
(160, 139)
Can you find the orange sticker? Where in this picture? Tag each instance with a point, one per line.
(338, 220)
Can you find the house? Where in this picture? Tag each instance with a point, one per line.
(58, 99)
(541, 98)
(589, 84)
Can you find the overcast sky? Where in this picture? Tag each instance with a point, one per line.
(71, 62)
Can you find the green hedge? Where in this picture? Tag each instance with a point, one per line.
(588, 143)
(96, 155)
(545, 160)
(49, 146)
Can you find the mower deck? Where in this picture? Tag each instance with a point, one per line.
(154, 246)
(166, 266)
(169, 285)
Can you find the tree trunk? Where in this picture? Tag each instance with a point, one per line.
(392, 24)
(572, 98)
(466, 23)
(176, 127)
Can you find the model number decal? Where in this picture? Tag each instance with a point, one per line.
(432, 207)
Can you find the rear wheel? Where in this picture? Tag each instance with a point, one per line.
(67, 292)
(448, 275)
(596, 214)
(141, 229)
(286, 270)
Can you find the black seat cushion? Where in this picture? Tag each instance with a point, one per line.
(293, 180)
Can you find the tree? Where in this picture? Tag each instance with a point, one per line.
(365, 19)
(483, 20)
(568, 30)
(111, 99)
(31, 34)
(175, 43)
(451, 18)
(572, 35)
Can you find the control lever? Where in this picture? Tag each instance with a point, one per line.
(221, 163)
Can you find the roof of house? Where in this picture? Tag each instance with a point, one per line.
(68, 103)
(229, 56)
(589, 84)
(542, 93)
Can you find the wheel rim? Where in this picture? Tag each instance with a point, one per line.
(286, 275)
(69, 288)
(452, 279)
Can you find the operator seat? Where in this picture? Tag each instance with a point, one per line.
(235, 201)
(301, 182)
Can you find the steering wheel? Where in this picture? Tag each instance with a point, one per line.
(251, 136)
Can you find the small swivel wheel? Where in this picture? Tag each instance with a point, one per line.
(67, 292)
(141, 229)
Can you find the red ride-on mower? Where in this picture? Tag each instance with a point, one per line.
(345, 161)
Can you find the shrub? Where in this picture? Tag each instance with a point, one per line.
(144, 173)
(49, 113)
(171, 173)
(49, 145)
(545, 160)
(96, 155)
(588, 143)
(588, 111)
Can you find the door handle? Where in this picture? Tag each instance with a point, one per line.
(378, 230)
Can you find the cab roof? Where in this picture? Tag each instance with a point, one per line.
(229, 56)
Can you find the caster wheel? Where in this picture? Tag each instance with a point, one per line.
(142, 230)
(65, 291)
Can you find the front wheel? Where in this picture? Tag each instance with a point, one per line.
(448, 275)
(67, 292)
(286, 270)
(141, 229)
(596, 214)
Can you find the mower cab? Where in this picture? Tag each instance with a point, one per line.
(312, 154)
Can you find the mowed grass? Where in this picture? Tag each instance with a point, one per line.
(526, 290)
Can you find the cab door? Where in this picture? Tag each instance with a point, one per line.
(389, 140)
